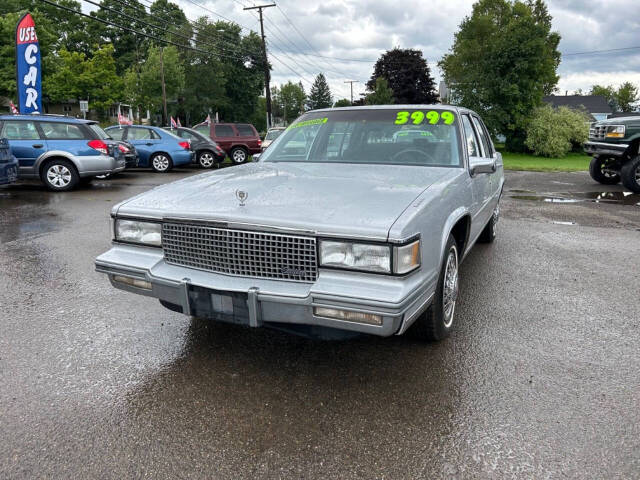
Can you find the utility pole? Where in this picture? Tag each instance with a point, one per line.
(351, 82)
(164, 93)
(267, 75)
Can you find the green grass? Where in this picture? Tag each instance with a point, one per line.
(573, 162)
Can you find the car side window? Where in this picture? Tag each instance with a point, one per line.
(483, 137)
(141, 134)
(116, 133)
(470, 137)
(19, 130)
(245, 130)
(61, 131)
(224, 131)
(492, 148)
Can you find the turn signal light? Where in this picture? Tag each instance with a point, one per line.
(133, 282)
(348, 316)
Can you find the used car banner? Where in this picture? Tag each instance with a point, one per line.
(29, 74)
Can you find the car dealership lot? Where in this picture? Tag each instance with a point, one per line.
(539, 380)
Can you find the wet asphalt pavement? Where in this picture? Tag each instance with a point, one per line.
(541, 379)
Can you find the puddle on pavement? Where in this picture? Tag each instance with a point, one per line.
(620, 198)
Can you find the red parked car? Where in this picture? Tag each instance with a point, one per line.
(238, 140)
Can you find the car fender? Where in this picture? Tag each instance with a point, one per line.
(55, 154)
(453, 218)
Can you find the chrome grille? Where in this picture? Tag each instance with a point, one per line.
(597, 132)
(240, 252)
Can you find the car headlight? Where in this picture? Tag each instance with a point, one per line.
(134, 231)
(376, 258)
(615, 131)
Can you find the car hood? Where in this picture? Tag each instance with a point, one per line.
(343, 199)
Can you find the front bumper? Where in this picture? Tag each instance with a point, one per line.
(602, 148)
(256, 301)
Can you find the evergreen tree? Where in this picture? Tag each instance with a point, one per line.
(320, 95)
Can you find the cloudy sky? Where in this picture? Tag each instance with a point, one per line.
(353, 33)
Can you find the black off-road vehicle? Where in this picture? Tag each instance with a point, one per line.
(615, 146)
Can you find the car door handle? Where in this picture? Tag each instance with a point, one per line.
(148, 144)
(37, 145)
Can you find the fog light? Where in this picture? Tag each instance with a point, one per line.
(133, 282)
(348, 316)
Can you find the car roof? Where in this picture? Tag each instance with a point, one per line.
(47, 118)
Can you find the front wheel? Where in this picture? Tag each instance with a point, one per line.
(239, 155)
(601, 170)
(437, 322)
(206, 159)
(161, 163)
(631, 174)
(60, 175)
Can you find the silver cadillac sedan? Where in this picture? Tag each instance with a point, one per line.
(355, 220)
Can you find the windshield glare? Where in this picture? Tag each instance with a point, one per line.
(427, 137)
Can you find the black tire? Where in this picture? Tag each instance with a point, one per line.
(630, 174)
(434, 325)
(238, 155)
(161, 163)
(206, 159)
(596, 167)
(489, 233)
(59, 175)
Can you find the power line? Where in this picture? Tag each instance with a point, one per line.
(600, 51)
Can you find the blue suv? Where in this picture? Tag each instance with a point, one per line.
(60, 151)
(8, 164)
(156, 147)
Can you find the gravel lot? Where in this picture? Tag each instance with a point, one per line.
(540, 379)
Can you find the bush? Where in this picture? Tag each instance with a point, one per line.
(553, 132)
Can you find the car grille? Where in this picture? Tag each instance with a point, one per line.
(240, 252)
(597, 132)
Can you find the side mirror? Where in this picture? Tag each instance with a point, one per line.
(479, 165)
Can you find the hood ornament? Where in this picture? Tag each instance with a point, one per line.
(242, 196)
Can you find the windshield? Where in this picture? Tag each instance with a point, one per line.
(100, 133)
(390, 136)
(273, 134)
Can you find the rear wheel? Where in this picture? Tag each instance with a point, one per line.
(631, 174)
(60, 175)
(601, 170)
(437, 322)
(206, 159)
(161, 163)
(239, 155)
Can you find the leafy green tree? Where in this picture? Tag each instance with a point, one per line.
(144, 88)
(552, 132)
(503, 61)
(288, 101)
(320, 94)
(627, 96)
(608, 92)
(259, 118)
(382, 95)
(343, 102)
(407, 74)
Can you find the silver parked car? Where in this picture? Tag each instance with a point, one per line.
(344, 225)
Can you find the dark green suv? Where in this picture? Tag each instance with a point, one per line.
(614, 144)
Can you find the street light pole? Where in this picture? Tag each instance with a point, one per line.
(267, 75)
(351, 82)
(164, 93)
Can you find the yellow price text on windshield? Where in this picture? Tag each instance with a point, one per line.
(307, 123)
(432, 116)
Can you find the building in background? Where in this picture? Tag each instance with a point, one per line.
(595, 105)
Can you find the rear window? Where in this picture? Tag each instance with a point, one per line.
(245, 131)
(116, 133)
(224, 131)
(203, 129)
(98, 131)
(61, 131)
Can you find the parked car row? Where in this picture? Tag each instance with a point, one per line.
(64, 152)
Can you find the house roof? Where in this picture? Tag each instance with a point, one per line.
(591, 103)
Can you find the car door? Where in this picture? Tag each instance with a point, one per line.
(145, 141)
(480, 182)
(225, 136)
(26, 143)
